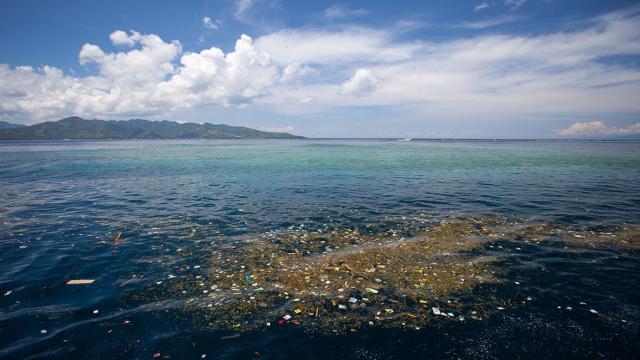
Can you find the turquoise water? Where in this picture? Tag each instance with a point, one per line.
(63, 203)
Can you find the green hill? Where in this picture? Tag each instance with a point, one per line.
(75, 128)
(6, 125)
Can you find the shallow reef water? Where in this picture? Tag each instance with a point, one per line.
(364, 249)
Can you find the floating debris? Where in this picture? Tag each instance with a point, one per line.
(338, 280)
(80, 282)
(118, 240)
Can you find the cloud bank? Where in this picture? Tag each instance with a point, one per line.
(596, 128)
(287, 129)
(484, 77)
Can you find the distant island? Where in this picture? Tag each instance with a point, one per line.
(6, 125)
(76, 128)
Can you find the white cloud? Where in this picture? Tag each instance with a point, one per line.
(211, 77)
(476, 78)
(242, 7)
(514, 4)
(596, 128)
(143, 80)
(210, 24)
(263, 15)
(90, 54)
(485, 24)
(120, 37)
(362, 83)
(481, 6)
(288, 128)
(295, 71)
(338, 11)
(481, 78)
(319, 46)
(151, 63)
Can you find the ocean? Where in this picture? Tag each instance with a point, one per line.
(319, 249)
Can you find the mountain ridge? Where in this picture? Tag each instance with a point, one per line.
(77, 128)
(8, 125)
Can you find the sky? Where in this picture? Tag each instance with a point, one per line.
(422, 69)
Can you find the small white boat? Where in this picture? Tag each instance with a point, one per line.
(406, 139)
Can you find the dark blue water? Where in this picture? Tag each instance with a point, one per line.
(63, 203)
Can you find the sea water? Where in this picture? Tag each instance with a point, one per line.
(169, 231)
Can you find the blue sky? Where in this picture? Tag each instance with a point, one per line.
(479, 69)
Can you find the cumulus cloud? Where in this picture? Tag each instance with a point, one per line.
(211, 77)
(149, 64)
(595, 128)
(288, 128)
(361, 83)
(481, 6)
(90, 53)
(142, 80)
(120, 37)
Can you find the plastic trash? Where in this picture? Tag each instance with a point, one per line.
(118, 240)
(80, 282)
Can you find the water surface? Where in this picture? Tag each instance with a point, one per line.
(179, 204)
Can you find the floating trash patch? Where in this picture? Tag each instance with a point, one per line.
(390, 274)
